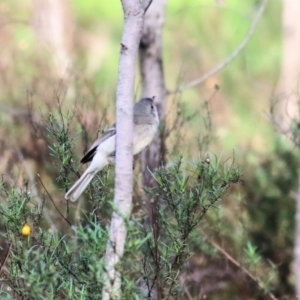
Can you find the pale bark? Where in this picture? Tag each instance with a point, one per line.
(288, 94)
(153, 82)
(133, 15)
(53, 24)
(288, 91)
(296, 266)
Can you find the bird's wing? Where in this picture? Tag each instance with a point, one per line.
(91, 152)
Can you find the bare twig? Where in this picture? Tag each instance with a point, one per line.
(6, 256)
(243, 269)
(231, 57)
(34, 193)
(146, 5)
(279, 125)
(38, 175)
(186, 291)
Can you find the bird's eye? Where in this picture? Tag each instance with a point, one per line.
(152, 106)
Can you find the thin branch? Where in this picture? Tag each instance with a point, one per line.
(6, 256)
(187, 293)
(33, 188)
(243, 269)
(231, 57)
(282, 128)
(146, 5)
(38, 175)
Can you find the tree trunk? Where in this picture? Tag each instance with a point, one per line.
(53, 24)
(296, 266)
(289, 81)
(133, 15)
(153, 83)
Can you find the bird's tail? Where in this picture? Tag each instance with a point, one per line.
(80, 185)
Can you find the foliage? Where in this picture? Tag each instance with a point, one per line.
(181, 199)
(48, 265)
(254, 222)
(68, 264)
(273, 223)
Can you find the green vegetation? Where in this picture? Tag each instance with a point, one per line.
(220, 234)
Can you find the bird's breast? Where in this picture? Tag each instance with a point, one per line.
(143, 136)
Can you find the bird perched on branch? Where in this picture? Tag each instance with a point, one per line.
(102, 152)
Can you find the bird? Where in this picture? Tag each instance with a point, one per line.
(103, 151)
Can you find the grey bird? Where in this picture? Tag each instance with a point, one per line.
(102, 152)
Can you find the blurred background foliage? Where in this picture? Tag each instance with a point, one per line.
(255, 223)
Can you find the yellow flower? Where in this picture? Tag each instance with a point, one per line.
(26, 230)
